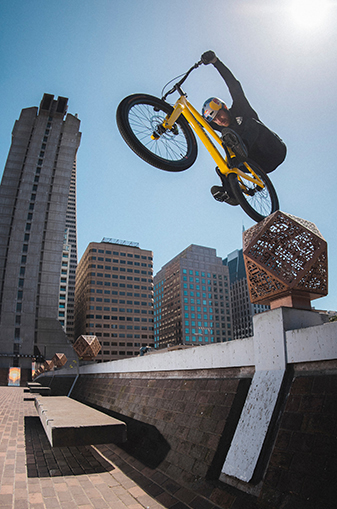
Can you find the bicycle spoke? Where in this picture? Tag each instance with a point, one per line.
(259, 199)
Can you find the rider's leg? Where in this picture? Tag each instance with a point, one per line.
(223, 193)
(233, 141)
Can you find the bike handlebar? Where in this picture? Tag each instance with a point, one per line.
(185, 76)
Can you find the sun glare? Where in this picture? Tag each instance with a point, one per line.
(310, 13)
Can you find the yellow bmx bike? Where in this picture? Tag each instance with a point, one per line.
(162, 135)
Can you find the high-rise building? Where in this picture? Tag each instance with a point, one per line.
(114, 297)
(191, 300)
(36, 198)
(242, 308)
(68, 269)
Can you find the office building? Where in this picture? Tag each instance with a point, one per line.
(68, 269)
(242, 308)
(34, 201)
(191, 300)
(114, 297)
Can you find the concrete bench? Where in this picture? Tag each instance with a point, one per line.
(68, 422)
(43, 391)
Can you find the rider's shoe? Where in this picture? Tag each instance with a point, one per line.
(233, 141)
(224, 192)
(219, 193)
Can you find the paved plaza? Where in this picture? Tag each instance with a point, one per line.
(34, 476)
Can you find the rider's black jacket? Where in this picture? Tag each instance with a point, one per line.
(264, 146)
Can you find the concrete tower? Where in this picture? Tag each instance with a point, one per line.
(34, 200)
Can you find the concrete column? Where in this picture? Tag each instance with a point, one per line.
(270, 363)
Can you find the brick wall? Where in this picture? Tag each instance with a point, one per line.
(181, 425)
(175, 424)
(4, 376)
(302, 471)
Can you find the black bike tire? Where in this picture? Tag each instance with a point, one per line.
(241, 198)
(126, 131)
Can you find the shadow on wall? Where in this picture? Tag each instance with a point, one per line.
(232, 420)
(144, 441)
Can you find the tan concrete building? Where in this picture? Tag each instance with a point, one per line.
(114, 297)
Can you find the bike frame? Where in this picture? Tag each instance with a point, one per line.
(199, 124)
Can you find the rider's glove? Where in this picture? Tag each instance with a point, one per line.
(209, 57)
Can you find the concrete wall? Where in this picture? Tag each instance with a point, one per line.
(188, 412)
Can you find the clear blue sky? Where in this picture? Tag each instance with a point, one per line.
(95, 52)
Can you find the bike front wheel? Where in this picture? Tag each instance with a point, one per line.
(257, 202)
(139, 120)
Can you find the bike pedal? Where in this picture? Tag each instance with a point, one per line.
(218, 194)
(220, 198)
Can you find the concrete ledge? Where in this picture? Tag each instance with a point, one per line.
(308, 339)
(232, 354)
(68, 422)
(312, 344)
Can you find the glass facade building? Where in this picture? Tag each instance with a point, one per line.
(242, 308)
(191, 300)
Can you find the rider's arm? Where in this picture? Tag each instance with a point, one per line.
(235, 88)
(232, 83)
(209, 57)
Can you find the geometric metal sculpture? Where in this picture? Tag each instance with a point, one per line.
(48, 365)
(59, 360)
(286, 261)
(87, 347)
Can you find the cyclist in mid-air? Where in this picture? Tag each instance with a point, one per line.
(241, 129)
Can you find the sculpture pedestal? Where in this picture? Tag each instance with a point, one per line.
(292, 299)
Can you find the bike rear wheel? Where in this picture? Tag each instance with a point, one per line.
(139, 116)
(258, 203)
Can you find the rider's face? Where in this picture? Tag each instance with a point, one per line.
(223, 118)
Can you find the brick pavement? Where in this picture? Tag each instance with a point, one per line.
(35, 476)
